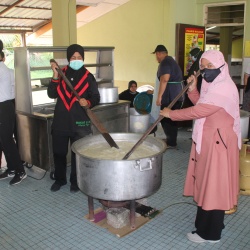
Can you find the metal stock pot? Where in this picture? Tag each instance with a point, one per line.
(119, 180)
(108, 95)
(138, 123)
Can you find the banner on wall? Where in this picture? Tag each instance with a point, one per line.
(194, 38)
(188, 36)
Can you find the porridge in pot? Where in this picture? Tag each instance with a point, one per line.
(105, 152)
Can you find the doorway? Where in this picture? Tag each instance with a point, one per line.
(225, 32)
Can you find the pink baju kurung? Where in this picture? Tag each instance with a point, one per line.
(213, 174)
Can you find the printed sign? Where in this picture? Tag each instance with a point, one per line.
(194, 38)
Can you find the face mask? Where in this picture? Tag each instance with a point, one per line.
(193, 58)
(76, 64)
(210, 74)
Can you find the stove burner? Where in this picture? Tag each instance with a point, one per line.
(113, 204)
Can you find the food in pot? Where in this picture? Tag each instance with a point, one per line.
(103, 151)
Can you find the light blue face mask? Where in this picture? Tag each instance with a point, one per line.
(193, 58)
(76, 64)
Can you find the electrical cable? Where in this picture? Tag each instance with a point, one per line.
(26, 164)
(180, 202)
(37, 178)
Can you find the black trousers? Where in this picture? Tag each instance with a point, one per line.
(15, 136)
(60, 149)
(7, 123)
(209, 224)
(170, 127)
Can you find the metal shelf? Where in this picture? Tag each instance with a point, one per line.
(62, 66)
(100, 62)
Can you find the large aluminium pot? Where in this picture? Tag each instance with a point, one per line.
(119, 180)
(138, 123)
(108, 95)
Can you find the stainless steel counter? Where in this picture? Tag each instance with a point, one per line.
(34, 130)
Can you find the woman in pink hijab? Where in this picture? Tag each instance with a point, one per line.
(213, 170)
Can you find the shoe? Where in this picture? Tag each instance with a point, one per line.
(213, 241)
(171, 147)
(74, 188)
(7, 174)
(18, 178)
(194, 237)
(56, 186)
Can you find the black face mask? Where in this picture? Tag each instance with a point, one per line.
(210, 74)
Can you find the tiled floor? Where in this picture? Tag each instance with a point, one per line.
(32, 217)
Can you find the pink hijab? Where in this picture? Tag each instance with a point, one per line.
(221, 92)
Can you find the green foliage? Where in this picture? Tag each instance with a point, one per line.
(36, 59)
(9, 42)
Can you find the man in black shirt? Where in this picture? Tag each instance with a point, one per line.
(170, 77)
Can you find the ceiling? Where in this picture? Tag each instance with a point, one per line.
(34, 17)
(213, 35)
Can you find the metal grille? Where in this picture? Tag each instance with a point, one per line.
(226, 14)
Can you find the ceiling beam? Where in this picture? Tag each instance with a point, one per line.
(49, 22)
(208, 38)
(26, 7)
(80, 8)
(23, 18)
(41, 29)
(10, 6)
(14, 28)
(13, 31)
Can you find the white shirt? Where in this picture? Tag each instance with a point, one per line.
(7, 83)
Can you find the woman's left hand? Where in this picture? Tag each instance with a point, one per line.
(83, 102)
(165, 112)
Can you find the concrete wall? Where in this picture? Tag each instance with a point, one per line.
(135, 28)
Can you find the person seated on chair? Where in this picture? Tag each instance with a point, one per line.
(130, 93)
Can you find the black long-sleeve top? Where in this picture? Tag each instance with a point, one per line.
(127, 95)
(69, 116)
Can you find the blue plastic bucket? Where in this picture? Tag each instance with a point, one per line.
(143, 103)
